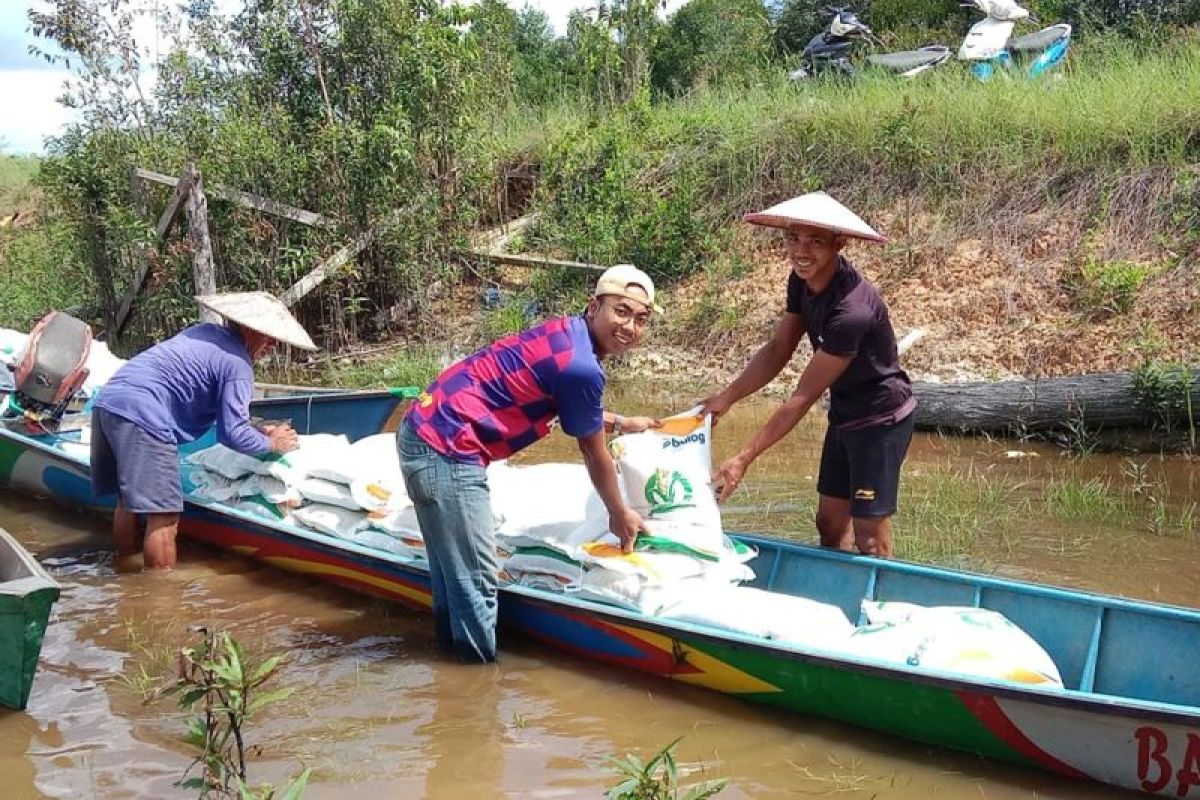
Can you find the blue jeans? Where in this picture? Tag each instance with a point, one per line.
(454, 510)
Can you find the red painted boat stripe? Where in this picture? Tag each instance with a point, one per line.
(989, 712)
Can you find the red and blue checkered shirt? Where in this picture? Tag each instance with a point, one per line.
(504, 397)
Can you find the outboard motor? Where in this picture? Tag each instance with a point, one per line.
(51, 369)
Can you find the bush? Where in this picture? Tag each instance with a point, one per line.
(1111, 286)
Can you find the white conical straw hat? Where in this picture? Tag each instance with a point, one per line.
(818, 210)
(262, 312)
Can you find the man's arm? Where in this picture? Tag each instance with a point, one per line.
(764, 366)
(818, 376)
(623, 521)
(615, 423)
(234, 429)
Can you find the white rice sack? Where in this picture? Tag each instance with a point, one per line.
(227, 462)
(262, 507)
(271, 489)
(319, 490)
(375, 458)
(739, 551)
(334, 520)
(12, 345)
(976, 641)
(668, 480)
(542, 499)
(101, 365)
(313, 454)
(534, 580)
(213, 486)
(400, 522)
(891, 642)
(652, 567)
(379, 494)
(385, 542)
(754, 612)
(625, 591)
(562, 569)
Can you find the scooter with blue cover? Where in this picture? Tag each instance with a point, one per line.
(989, 45)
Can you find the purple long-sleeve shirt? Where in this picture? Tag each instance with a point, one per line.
(177, 389)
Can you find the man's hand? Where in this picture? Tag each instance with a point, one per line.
(626, 526)
(283, 437)
(716, 405)
(729, 475)
(639, 424)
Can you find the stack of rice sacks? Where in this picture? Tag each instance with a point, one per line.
(553, 527)
(352, 491)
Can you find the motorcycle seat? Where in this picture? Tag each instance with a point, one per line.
(1040, 40)
(905, 60)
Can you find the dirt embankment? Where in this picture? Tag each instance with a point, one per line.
(991, 307)
(1001, 302)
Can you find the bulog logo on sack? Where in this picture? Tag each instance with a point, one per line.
(668, 490)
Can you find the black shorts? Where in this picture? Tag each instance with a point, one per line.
(863, 466)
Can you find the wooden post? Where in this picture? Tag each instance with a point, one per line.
(335, 262)
(145, 255)
(246, 200)
(529, 262)
(203, 272)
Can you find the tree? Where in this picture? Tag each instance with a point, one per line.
(712, 42)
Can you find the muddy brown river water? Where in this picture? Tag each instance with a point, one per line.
(377, 713)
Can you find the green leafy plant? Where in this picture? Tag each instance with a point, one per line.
(656, 779)
(1164, 392)
(221, 688)
(1111, 286)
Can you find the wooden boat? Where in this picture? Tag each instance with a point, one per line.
(26, 596)
(1129, 715)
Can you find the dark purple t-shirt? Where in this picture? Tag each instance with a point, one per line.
(850, 319)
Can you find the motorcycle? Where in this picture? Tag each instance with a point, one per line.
(828, 52)
(989, 45)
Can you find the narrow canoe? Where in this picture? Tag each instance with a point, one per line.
(1129, 715)
(26, 595)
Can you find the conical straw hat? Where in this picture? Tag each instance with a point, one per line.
(262, 312)
(818, 210)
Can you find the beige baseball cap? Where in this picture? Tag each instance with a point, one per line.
(617, 279)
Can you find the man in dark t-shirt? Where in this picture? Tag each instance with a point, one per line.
(854, 357)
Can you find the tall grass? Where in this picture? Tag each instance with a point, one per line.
(946, 512)
(963, 146)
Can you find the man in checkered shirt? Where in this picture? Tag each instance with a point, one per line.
(495, 403)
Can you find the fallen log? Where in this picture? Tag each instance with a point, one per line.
(1105, 401)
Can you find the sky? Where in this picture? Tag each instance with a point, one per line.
(29, 87)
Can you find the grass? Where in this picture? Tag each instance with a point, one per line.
(964, 147)
(409, 367)
(1085, 499)
(152, 661)
(16, 176)
(946, 511)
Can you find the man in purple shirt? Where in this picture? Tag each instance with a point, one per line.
(854, 357)
(494, 403)
(173, 393)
